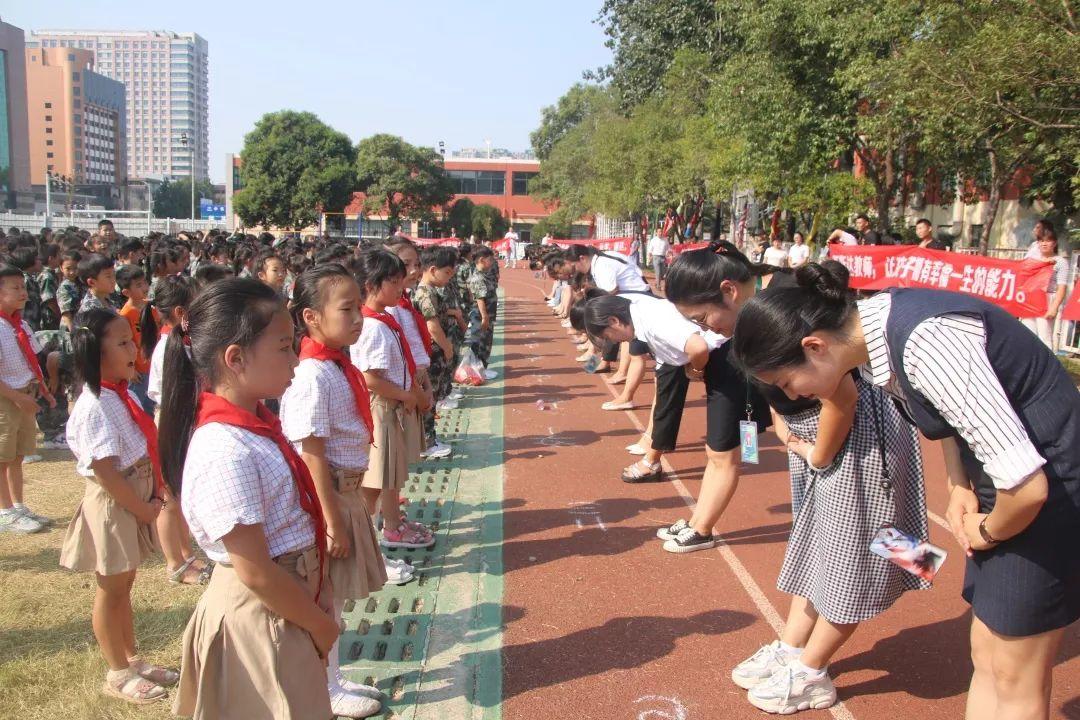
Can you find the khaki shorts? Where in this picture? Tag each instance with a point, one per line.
(18, 429)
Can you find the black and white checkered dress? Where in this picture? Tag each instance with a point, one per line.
(837, 512)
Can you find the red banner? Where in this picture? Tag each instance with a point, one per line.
(677, 250)
(619, 245)
(502, 245)
(1071, 308)
(425, 242)
(1017, 286)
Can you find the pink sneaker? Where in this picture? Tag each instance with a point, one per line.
(405, 537)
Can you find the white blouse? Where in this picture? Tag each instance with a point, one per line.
(101, 427)
(412, 334)
(319, 403)
(235, 477)
(379, 349)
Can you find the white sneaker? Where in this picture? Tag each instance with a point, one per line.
(40, 519)
(16, 522)
(672, 531)
(790, 690)
(352, 706)
(397, 575)
(456, 395)
(32, 459)
(399, 563)
(355, 688)
(446, 404)
(490, 374)
(438, 451)
(57, 444)
(760, 666)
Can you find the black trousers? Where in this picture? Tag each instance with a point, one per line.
(637, 349)
(671, 386)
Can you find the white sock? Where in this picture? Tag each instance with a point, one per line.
(791, 650)
(811, 673)
(19, 506)
(333, 662)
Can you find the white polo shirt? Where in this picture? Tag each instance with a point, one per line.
(611, 275)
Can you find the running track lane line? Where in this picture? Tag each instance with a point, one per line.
(839, 710)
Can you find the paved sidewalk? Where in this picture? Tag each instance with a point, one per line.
(433, 646)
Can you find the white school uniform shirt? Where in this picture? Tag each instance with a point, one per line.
(235, 477)
(157, 363)
(412, 335)
(658, 246)
(101, 427)
(319, 403)
(658, 324)
(379, 349)
(610, 275)
(776, 256)
(14, 369)
(798, 254)
(945, 358)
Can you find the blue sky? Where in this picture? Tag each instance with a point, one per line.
(460, 72)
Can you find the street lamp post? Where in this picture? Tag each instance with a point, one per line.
(184, 142)
(48, 198)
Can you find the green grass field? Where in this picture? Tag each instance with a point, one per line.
(50, 666)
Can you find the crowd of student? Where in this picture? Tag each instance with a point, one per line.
(354, 350)
(845, 381)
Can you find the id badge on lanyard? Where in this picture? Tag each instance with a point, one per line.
(748, 433)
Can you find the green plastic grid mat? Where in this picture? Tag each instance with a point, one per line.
(385, 634)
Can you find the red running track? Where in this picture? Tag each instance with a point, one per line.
(601, 623)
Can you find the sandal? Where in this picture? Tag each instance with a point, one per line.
(134, 689)
(642, 472)
(187, 574)
(420, 528)
(405, 537)
(163, 676)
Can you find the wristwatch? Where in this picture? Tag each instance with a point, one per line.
(986, 533)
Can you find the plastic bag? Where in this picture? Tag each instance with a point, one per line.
(470, 371)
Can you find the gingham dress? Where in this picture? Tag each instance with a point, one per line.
(837, 512)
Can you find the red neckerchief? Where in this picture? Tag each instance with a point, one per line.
(146, 427)
(214, 408)
(421, 324)
(317, 351)
(388, 320)
(15, 321)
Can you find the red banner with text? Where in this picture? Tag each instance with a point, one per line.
(1017, 286)
(619, 245)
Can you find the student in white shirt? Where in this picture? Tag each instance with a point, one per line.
(775, 254)
(326, 413)
(252, 506)
(112, 531)
(1056, 289)
(680, 351)
(799, 252)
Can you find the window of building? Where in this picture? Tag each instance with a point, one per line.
(74, 77)
(48, 118)
(48, 131)
(48, 155)
(71, 57)
(522, 180)
(48, 143)
(48, 105)
(477, 182)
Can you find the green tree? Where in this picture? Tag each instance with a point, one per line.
(488, 222)
(459, 217)
(403, 180)
(172, 199)
(558, 223)
(294, 167)
(579, 102)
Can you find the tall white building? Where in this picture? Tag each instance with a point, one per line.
(166, 77)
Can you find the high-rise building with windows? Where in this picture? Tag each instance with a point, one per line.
(14, 150)
(166, 78)
(77, 119)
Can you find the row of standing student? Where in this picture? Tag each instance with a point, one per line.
(283, 509)
(855, 466)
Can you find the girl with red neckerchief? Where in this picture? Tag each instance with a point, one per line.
(384, 356)
(257, 643)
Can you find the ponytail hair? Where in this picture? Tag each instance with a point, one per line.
(310, 291)
(228, 312)
(695, 276)
(86, 343)
(770, 327)
(172, 291)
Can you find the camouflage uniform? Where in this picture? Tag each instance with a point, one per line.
(48, 283)
(432, 306)
(53, 421)
(492, 274)
(69, 297)
(451, 297)
(482, 286)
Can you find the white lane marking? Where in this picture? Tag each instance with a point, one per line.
(670, 708)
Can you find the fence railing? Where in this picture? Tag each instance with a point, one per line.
(126, 224)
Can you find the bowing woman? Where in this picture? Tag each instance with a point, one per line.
(966, 373)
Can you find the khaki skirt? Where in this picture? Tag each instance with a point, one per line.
(103, 537)
(399, 438)
(363, 571)
(243, 662)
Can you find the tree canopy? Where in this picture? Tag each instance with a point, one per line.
(294, 165)
(405, 180)
(172, 198)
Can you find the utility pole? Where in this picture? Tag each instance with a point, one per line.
(48, 198)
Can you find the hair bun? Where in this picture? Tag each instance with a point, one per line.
(828, 280)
